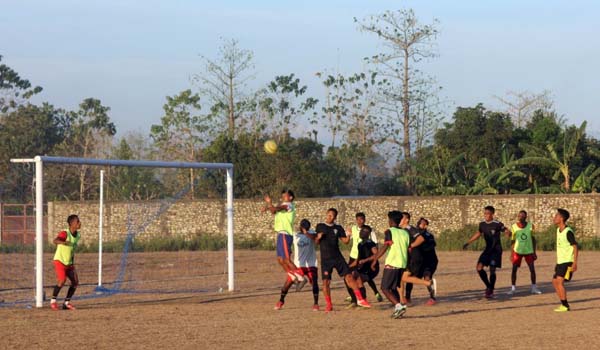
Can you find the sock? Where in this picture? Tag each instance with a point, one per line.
(373, 287)
(492, 280)
(565, 303)
(484, 278)
(363, 292)
(282, 297)
(408, 290)
(513, 287)
(351, 293)
(328, 299)
(316, 298)
(70, 292)
(358, 295)
(533, 285)
(55, 293)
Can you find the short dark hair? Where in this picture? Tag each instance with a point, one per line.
(72, 218)
(523, 212)
(395, 216)
(564, 214)
(406, 215)
(422, 220)
(305, 224)
(290, 193)
(491, 209)
(360, 215)
(367, 228)
(334, 211)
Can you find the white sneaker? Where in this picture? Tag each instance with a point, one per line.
(512, 292)
(535, 290)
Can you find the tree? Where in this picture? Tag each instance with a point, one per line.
(14, 90)
(131, 183)
(224, 81)
(408, 42)
(561, 161)
(522, 106)
(183, 131)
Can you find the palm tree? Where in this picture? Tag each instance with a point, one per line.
(588, 180)
(551, 158)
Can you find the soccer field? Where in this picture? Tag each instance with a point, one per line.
(462, 319)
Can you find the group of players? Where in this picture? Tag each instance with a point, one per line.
(411, 257)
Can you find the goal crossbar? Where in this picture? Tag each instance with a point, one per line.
(39, 201)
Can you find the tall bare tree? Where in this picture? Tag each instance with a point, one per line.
(521, 105)
(224, 80)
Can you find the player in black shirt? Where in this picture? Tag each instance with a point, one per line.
(365, 268)
(430, 259)
(415, 258)
(491, 230)
(328, 234)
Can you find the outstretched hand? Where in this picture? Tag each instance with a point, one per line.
(268, 199)
(465, 246)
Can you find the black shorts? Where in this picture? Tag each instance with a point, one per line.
(430, 264)
(391, 278)
(415, 264)
(564, 270)
(493, 259)
(339, 264)
(366, 274)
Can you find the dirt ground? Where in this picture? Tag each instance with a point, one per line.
(245, 319)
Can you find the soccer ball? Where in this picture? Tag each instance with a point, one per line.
(270, 147)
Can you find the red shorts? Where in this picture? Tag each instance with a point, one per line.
(517, 258)
(65, 271)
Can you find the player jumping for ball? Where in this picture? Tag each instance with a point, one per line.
(566, 257)
(285, 214)
(491, 231)
(523, 247)
(328, 234)
(305, 257)
(66, 242)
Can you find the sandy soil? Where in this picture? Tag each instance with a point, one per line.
(245, 319)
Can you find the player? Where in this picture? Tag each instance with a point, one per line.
(305, 257)
(523, 247)
(328, 234)
(396, 245)
(491, 231)
(66, 242)
(355, 236)
(415, 259)
(566, 257)
(285, 214)
(365, 268)
(430, 259)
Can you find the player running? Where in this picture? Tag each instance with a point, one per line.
(356, 240)
(523, 247)
(328, 234)
(396, 245)
(285, 214)
(305, 257)
(415, 259)
(566, 257)
(430, 259)
(365, 269)
(66, 242)
(491, 256)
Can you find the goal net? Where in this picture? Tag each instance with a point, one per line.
(161, 239)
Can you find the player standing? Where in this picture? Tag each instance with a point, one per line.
(356, 240)
(566, 257)
(328, 234)
(305, 257)
(66, 242)
(285, 214)
(491, 256)
(523, 247)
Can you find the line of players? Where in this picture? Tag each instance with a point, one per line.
(411, 257)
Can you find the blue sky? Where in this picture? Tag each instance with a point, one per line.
(131, 54)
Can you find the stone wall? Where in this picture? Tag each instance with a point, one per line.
(189, 218)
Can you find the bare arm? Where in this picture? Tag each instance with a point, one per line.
(472, 239)
(575, 256)
(375, 251)
(345, 240)
(417, 242)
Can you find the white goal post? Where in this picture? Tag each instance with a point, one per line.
(39, 202)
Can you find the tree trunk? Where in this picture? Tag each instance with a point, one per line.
(406, 109)
(231, 108)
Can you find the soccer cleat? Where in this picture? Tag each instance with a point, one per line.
(363, 303)
(399, 312)
(511, 292)
(278, 306)
(301, 284)
(561, 308)
(329, 308)
(431, 302)
(535, 290)
(68, 306)
(379, 297)
(315, 307)
(292, 277)
(54, 306)
(488, 293)
(351, 306)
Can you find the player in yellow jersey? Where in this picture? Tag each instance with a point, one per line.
(66, 242)
(566, 257)
(523, 247)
